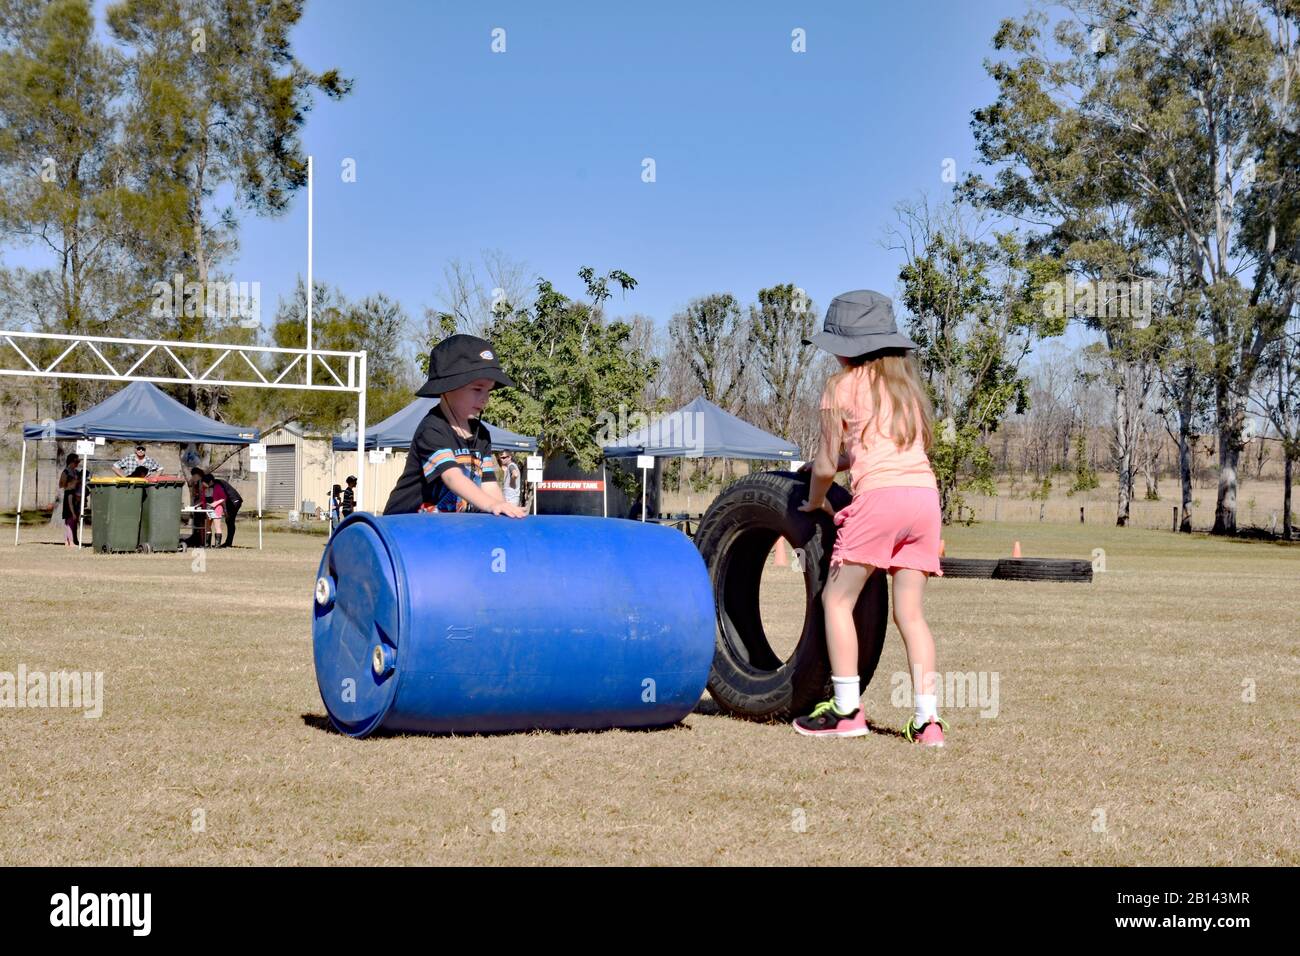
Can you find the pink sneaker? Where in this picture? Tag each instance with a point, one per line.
(825, 721)
(931, 735)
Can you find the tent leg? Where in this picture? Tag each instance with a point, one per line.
(22, 473)
(604, 491)
(361, 436)
(81, 517)
(260, 475)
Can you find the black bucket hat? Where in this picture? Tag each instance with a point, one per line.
(459, 360)
(858, 323)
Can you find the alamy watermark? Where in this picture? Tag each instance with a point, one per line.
(81, 690)
(214, 300)
(129, 910)
(955, 689)
(675, 430)
(1101, 299)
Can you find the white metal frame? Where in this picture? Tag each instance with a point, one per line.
(15, 362)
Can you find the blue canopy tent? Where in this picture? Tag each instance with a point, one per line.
(700, 429)
(139, 412)
(398, 429)
(142, 412)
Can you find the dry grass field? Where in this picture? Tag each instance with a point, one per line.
(1147, 718)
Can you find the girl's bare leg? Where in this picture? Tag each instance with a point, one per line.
(909, 615)
(839, 597)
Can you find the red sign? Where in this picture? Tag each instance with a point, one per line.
(596, 485)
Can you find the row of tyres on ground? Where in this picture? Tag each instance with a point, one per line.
(135, 514)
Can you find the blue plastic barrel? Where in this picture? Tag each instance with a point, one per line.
(470, 623)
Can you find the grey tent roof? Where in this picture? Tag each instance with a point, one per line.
(142, 412)
(397, 430)
(701, 429)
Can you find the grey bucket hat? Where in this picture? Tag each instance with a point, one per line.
(858, 323)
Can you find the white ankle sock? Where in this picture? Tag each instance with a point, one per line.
(926, 709)
(848, 693)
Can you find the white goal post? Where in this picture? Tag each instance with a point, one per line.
(188, 363)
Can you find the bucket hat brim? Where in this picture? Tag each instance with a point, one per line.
(440, 386)
(851, 346)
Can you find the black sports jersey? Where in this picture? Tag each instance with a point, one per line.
(436, 448)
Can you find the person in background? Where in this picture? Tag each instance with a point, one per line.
(510, 478)
(349, 503)
(336, 507)
(70, 481)
(125, 467)
(214, 496)
(195, 484)
(234, 501)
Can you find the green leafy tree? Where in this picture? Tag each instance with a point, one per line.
(1277, 399)
(1181, 115)
(63, 178)
(974, 304)
(712, 334)
(1085, 476)
(218, 98)
(376, 324)
(778, 324)
(574, 369)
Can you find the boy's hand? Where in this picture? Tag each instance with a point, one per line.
(509, 510)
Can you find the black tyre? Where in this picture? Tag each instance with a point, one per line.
(968, 567)
(735, 536)
(1044, 569)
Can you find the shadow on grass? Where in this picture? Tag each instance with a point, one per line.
(708, 707)
(880, 730)
(322, 723)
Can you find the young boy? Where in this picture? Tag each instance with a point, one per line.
(449, 467)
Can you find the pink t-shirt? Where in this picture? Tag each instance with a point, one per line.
(879, 463)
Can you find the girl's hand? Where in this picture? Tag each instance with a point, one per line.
(825, 506)
(509, 510)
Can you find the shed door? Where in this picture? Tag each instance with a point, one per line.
(281, 478)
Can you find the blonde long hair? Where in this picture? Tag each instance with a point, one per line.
(893, 372)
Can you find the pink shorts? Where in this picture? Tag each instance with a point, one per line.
(890, 528)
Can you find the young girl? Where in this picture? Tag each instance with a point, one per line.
(215, 496)
(877, 410)
(336, 506)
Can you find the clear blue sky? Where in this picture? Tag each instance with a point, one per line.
(771, 166)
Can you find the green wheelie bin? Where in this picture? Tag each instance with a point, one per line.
(115, 505)
(160, 519)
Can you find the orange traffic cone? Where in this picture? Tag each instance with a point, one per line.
(942, 549)
(782, 561)
(1015, 550)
